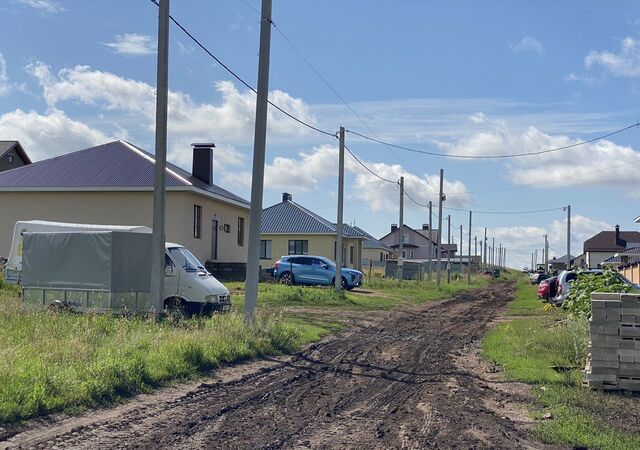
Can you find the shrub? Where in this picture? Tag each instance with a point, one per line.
(578, 300)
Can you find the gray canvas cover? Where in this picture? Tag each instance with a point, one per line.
(113, 261)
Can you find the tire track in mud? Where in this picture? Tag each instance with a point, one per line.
(390, 380)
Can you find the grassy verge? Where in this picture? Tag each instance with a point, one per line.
(66, 362)
(547, 348)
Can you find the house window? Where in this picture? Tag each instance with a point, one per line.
(265, 249)
(404, 253)
(351, 254)
(411, 253)
(241, 231)
(197, 221)
(381, 256)
(405, 238)
(299, 247)
(10, 159)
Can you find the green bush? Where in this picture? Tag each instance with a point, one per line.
(578, 301)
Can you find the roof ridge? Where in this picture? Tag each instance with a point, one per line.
(152, 159)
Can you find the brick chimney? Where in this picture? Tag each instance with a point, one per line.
(425, 226)
(202, 163)
(286, 197)
(618, 242)
(394, 227)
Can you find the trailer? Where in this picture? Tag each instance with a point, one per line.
(101, 271)
(13, 267)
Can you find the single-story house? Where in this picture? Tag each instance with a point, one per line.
(12, 155)
(607, 243)
(374, 251)
(291, 229)
(113, 184)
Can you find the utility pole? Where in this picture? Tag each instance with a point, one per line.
(475, 248)
(400, 228)
(536, 259)
(460, 255)
(546, 253)
(430, 254)
(338, 278)
(504, 259)
(438, 249)
(158, 238)
(257, 177)
(449, 250)
(469, 253)
(493, 251)
(500, 255)
(568, 237)
(484, 255)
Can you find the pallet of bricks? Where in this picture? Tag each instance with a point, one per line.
(614, 350)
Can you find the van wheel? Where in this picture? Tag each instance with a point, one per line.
(287, 278)
(176, 307)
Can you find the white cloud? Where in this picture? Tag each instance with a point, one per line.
(231, 120)
(47, 6)
(132, 44)
(478, 117)
(600, 163)
(45, 136)
(582, 228)
(625, 63)
(5, 85)
(527, 44)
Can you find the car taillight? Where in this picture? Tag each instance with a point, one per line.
(559, 288)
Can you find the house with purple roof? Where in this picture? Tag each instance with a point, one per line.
(113, 184)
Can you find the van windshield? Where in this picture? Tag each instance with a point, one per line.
(185, 259)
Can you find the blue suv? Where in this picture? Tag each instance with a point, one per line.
(314, 270)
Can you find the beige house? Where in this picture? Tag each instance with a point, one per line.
(113, 184)
(374, 252)
(290, 229)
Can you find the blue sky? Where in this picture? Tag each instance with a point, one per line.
(454, 77)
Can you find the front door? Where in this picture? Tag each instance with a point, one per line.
(214, 239)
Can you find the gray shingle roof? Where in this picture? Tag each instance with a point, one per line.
(5, 146)
(289, 217)
(117, 164)
(371, 241)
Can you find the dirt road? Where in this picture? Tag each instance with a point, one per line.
(392, 380)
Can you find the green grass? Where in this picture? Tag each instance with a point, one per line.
(67, 362)
(547, 349)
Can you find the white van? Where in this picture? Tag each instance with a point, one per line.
(188, 285)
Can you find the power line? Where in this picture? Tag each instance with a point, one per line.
(237, 77)
(368, 170)
(505, 212)
(513, 155)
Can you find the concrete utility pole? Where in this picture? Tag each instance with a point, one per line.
(475, 246)
(449, 250)
(158, 238)
(484, 255)
(469, 251)
(546, 253)
(568, 237)
(504, 258)
(493, 251)
(438, 249)
(338, 280)
(400, 229)
(430, 241)
(500, 255)
(257, 178)
(460, 255)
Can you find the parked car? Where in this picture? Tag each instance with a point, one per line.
(566, 277)
(547, 288)
(525, 269)
(536, 277)
(314, 270)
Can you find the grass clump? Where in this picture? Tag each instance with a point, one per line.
(67, 362)
(548, 348)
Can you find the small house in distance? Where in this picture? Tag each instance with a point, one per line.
(606, 244)
(291, 229)
(12, 155)
(374, 252)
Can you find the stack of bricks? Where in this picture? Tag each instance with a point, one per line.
(614, 351)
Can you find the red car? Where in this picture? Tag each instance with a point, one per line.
(547, 288)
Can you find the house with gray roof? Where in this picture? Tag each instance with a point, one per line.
(289, 228)
(113, 183)
(12, 155)
(374, 252)
(606, 244)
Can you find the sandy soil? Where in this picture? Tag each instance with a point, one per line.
(406, 378)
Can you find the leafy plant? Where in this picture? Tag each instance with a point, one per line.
(578, 300)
